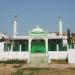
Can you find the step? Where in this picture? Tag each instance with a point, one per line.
(39, 58)
(39, 55)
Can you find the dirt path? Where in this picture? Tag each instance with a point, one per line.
(41, 69)
(60, 66)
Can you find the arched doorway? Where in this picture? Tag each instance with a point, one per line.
(38, 46)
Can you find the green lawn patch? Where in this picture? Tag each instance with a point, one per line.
(13, 61)
(59, 61)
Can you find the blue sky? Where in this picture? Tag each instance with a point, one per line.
(33, 12)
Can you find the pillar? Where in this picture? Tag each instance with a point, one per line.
(29, 45)
(20, 47)
(28, 60)
(15, 26)
(46, 43)
(67, 46)
(57, 52)
(57, 47)
(20, 54)
(74, 46)
(11, 47)
(60, 25)
(29, 48)
(11, 51)
(49, 59)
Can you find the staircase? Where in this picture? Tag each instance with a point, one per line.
(39, 58)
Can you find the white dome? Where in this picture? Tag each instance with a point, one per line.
(37, 29)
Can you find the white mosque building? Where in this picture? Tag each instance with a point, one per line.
(38, 46)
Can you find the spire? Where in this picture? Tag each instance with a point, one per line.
(37, 26)
(60, 26)
(15, 26)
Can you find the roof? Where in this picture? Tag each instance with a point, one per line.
(3, 35)
(20, 37)
(27, 37)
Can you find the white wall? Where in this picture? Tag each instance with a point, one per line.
(25, 55)
(64, 42)
(71, 56)
(1, 46)
(57, 54)
(14, 55)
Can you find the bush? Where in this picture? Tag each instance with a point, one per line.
(14, 61)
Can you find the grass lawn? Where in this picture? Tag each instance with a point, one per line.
(12, 68)
(60, 61)
(44, 71)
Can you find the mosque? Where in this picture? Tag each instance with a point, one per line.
(39, 46)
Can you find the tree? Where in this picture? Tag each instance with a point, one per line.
(68, 37)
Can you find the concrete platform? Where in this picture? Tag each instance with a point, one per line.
(59, 66)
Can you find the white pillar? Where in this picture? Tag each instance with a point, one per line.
(20, 47)
(29, 48)
(15, 26)
(70, 46)
(11, 51)
(49, 59)
(74, 46)
(29, 45)
(57, 53)
(46, 43)
(60, 25)
(67, 46)
(11, 47)
(57, 47)
(28, 59)
(20, 54)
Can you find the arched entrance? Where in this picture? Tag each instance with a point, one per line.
(38, 46)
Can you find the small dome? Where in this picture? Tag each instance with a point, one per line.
(37, 29)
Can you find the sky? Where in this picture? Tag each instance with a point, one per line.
(31, 13)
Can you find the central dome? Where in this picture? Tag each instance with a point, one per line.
(37, 29)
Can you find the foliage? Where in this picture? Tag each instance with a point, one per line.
(18, 72)
(60, 61)
(14, 61)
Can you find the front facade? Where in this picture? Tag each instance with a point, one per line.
(38, 45)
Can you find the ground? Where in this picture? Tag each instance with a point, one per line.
(37, 69)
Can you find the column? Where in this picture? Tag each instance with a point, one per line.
(29, 45)
(74, 46)
(20, 55)
(60, 25)
(29, 48)
(15, 26)
(20, 47)
(11, 50)
(57, 47)
(28, 60)
(46, 43)
(67, 46)
(49, 59)
(57, 52)
(11, 47)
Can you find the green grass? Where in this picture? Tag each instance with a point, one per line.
(45, 71)
(49, 71)
(13, 62)
(18, 72)
(59, 61)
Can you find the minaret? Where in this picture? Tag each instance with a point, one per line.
(60, 26)
(15, 26)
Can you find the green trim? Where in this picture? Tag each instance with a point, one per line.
(38, 33)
